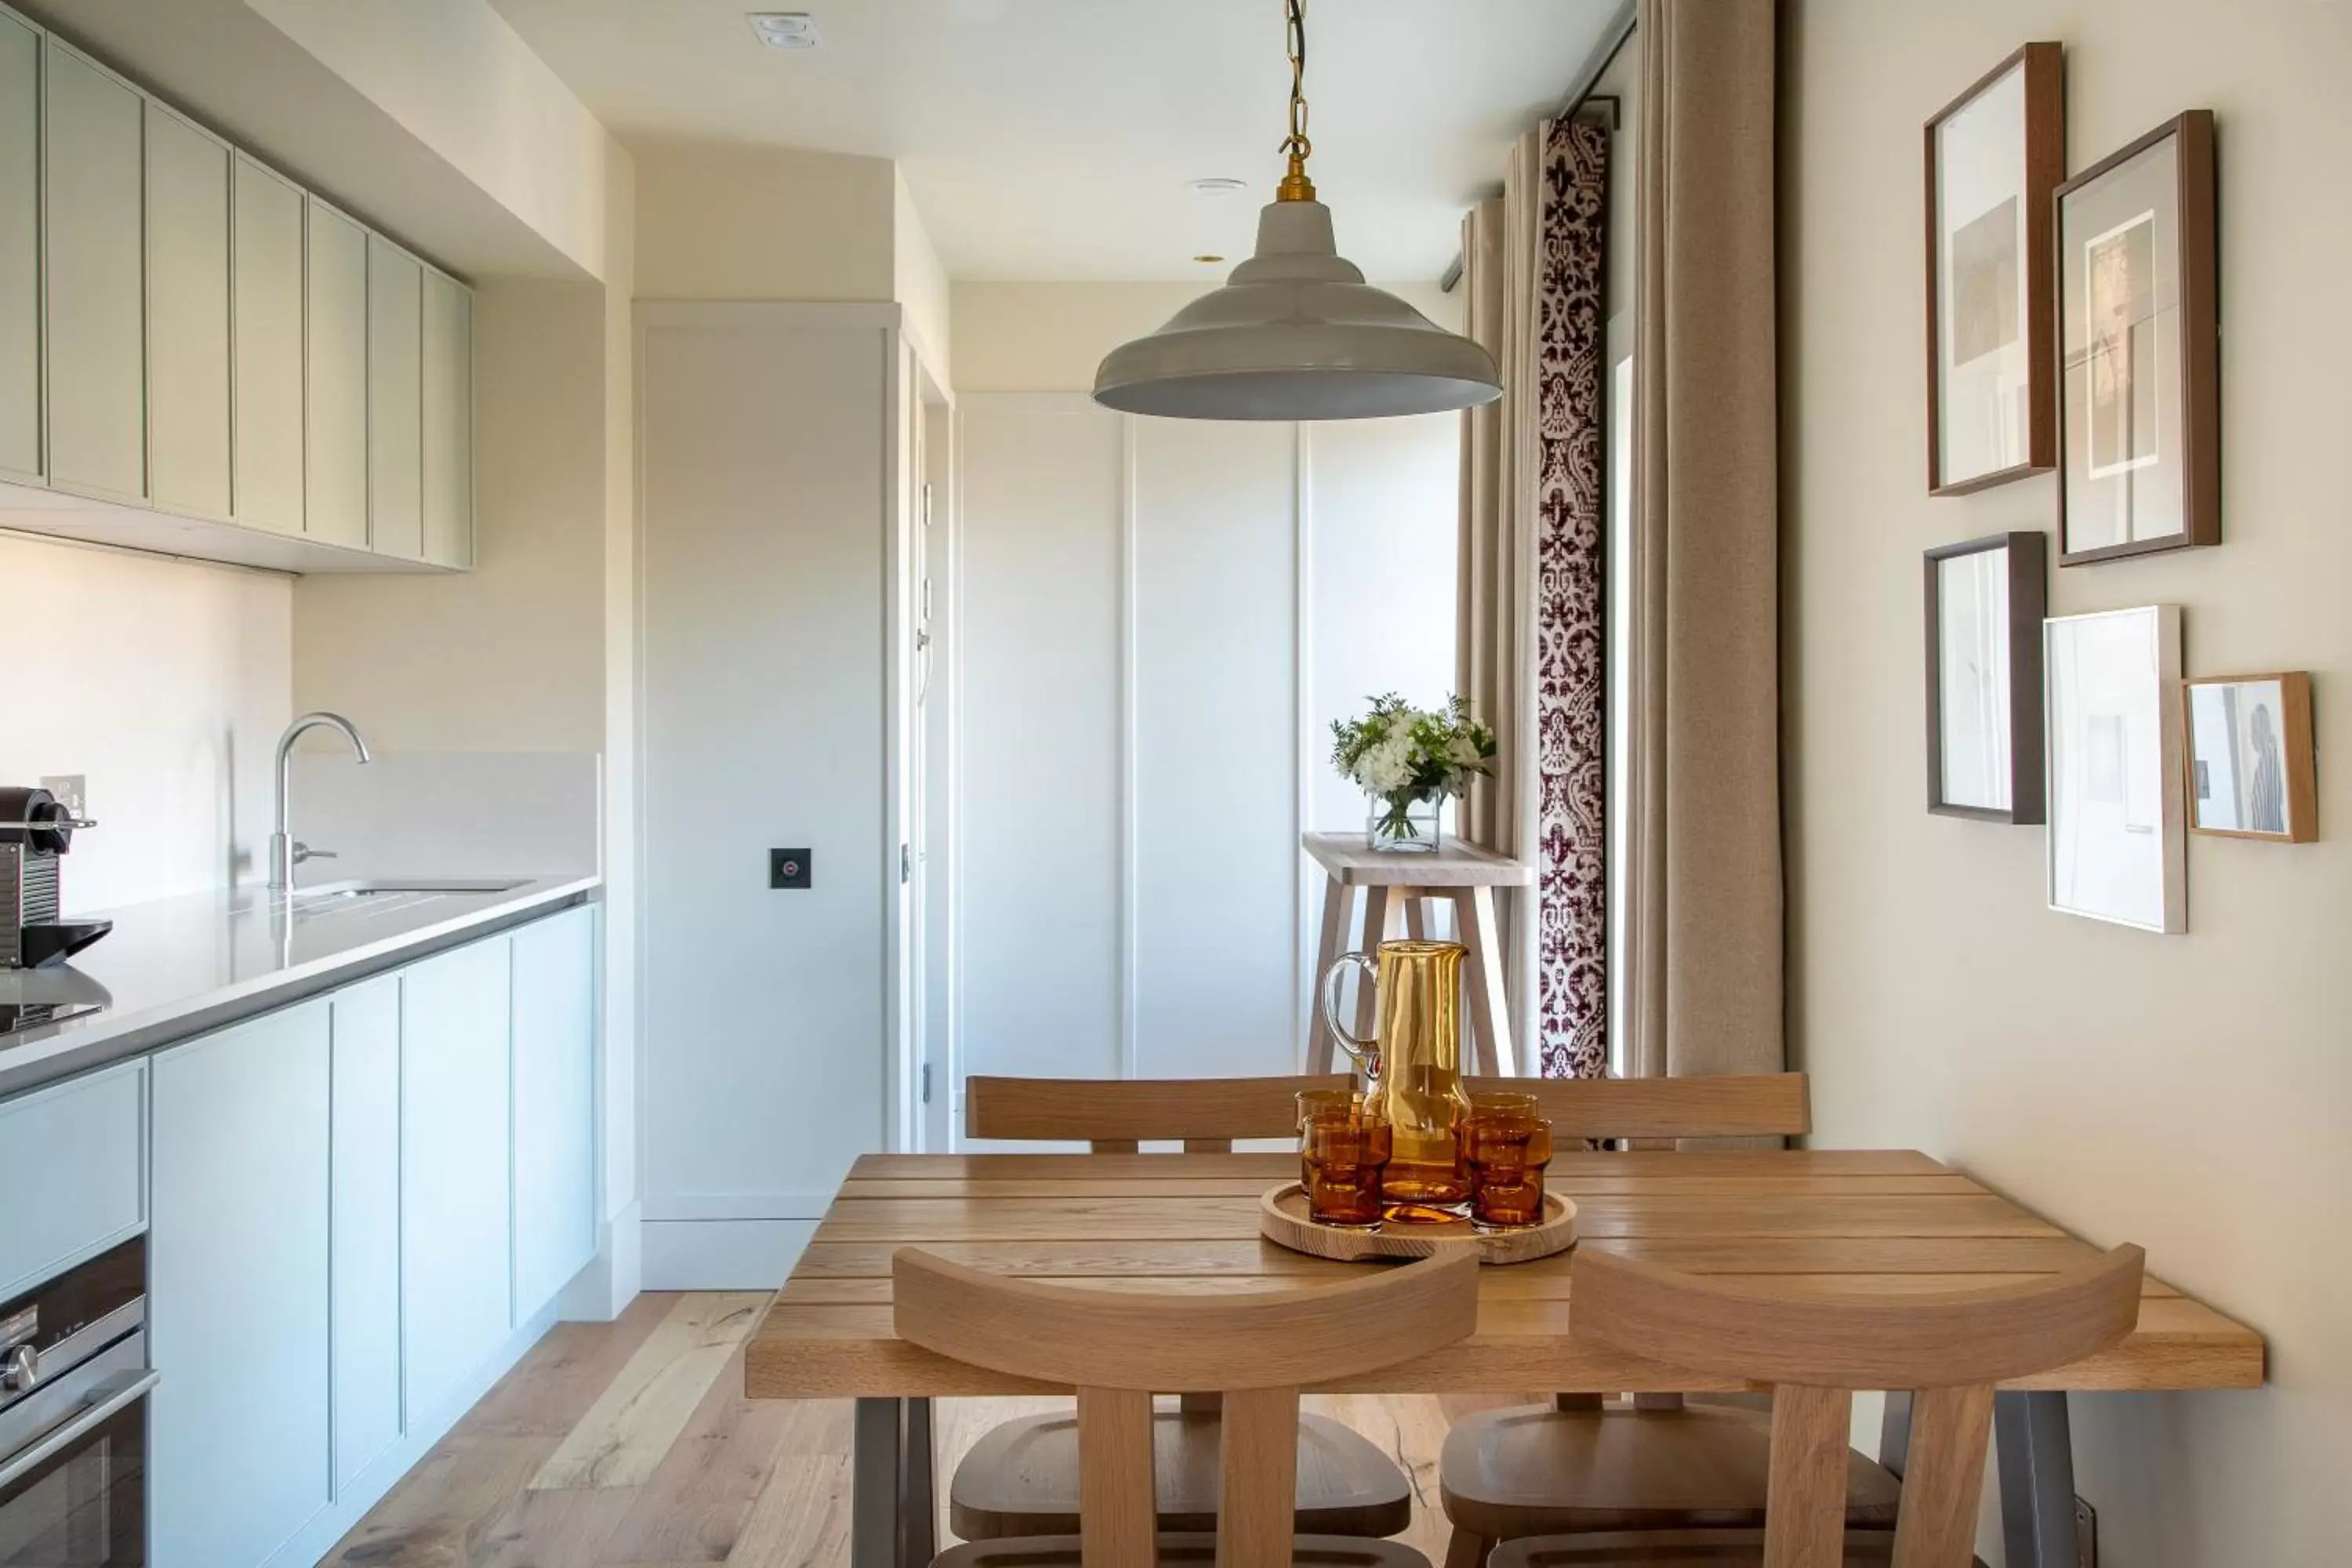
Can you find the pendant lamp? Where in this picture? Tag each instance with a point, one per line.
(1295, 332)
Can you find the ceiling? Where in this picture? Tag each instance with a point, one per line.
(1056, 138)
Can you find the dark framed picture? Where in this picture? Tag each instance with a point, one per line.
(1995, 154)
(1985, 604)
(2253, 773)
(2139, 333)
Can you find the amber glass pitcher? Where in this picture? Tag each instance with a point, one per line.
(1414, 1061)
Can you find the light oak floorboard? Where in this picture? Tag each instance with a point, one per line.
(624, 1437)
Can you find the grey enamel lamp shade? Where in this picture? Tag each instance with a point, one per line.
(1297, 333)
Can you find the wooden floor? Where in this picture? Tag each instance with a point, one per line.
(631, 1442)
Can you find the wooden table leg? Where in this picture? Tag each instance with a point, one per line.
(1380, 909)
(1416, 916)
(1491, 1041)
(1338, 923)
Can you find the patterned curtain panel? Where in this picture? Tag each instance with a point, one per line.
(1571, 717)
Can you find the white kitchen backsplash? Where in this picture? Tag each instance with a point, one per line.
(449, 814)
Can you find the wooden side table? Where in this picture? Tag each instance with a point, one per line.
(1400, 885)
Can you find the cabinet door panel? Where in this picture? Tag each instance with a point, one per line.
(71, 1165)
(20, 248)
(237, 1291)
(448, 422)
(267, 275)
(187, 304)
(554, 1105)
(395, 401)
(96, 311)
(366, 1223)
(455, 1252)
(335, 320)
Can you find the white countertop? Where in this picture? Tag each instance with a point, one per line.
(176, 967)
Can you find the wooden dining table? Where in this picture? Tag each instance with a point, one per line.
(1815, 1220)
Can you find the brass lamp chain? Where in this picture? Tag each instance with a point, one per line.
(1296, 186)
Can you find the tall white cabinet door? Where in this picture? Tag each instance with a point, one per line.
(448, 422)
(97, 309)
(188, 314)
(237, 1291)
(396, 400)
(335, 321)
(266, 274)
(20, 248)
(554, 1105)
(455, 1247)
(366, 1223)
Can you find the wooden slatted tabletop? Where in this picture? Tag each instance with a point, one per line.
(1813, 1220)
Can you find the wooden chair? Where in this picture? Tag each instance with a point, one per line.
(1580, 1465)
(1022, 1477)
(1117, 1347)
(1951, 1348)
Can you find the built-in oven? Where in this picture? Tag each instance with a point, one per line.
(73, 1417)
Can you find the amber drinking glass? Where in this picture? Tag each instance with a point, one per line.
(1507, 1146)
(1343, 1146)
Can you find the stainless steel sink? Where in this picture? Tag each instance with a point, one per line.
(383, 893)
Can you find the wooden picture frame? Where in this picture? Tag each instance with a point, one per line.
(2016, 642)
(2026, 344)
(2292, 789)
(2175, 408)
(2116, 849)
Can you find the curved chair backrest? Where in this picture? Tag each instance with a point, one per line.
(1204, 1114)
(1950, 1347)
(1117, 1347)
(1752, 1105)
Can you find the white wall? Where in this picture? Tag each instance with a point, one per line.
(2184, 1092)
(759, 223)
(166, 683)
(919, 281)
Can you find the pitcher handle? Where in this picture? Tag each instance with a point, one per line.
(1365, 1053)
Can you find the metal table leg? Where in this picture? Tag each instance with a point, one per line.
(891, 1508)
(2035, 1450)
(1895, 1433)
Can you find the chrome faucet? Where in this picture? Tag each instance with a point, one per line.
(285, 851)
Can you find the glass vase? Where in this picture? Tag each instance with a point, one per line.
(1408, 824)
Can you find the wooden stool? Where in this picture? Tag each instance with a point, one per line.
(1397, 886)
(1256, 1350)
(1022, 1478)
(1951, 1347)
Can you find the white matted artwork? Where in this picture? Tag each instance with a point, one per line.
(2116, 839)
(1984, 601)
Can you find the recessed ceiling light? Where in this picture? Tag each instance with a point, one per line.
(1219, 185)
(785, 29)
(1208, 260)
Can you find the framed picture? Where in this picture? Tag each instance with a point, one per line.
(2139, 332)
(2253, 773)
(2114, 845)
(1994, 156)
(1984, 678)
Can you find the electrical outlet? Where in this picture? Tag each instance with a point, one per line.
(788, 868)
(2086, 1535)
(72, 791)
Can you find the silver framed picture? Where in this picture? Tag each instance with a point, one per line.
(2116, 843)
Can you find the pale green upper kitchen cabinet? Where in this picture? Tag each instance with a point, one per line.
(183, 330)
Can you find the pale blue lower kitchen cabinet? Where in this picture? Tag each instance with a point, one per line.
(554, 1106)
(365, 1204)
(456, 1245)
(237, 1289)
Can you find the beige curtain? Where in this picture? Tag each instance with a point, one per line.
(1705, 889)
(1495, 648)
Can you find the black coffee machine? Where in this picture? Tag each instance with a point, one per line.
(36, 831)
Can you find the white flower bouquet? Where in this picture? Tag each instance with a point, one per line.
(1408, 759)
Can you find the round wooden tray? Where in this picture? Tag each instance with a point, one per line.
(1281, 1218)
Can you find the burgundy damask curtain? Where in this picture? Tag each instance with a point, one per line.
(1533, 582)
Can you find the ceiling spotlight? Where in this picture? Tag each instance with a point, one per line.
(785, 29)
(1208, 260)
(1217, 186)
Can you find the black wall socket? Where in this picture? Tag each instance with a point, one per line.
(788, 868)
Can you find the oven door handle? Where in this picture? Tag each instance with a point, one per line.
(106, 1400)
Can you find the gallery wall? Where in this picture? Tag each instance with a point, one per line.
(2186, 1092)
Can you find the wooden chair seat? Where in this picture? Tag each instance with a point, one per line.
(1022, 1478)
(1676, 1549)
(1180, 1551)
(1535, 1471)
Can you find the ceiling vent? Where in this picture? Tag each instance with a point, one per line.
(786, 29)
